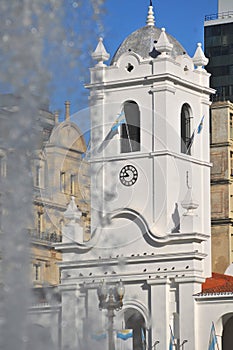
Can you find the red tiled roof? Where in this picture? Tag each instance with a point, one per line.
(218, 283)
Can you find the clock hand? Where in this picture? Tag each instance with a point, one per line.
(126, 174)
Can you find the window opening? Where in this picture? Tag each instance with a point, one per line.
(62, 181)
(130, 131)
(129, 67)
(38, 176)
(40, 223)
(72, 182)
(186, 140)
(231, 126)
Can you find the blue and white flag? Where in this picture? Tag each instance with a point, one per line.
(125, 334)
(172, 339)
(113, 131)
(124, 339)
(198, 131)
(143, 339)
(213, 342)
(200, 126)
(99, 336)
(120, 120)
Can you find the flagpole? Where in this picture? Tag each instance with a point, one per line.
(215, 335)
(191, 139)
(127, 130)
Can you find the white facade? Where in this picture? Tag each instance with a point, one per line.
(152, 229)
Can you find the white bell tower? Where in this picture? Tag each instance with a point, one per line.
(150, 186)
(157, 156)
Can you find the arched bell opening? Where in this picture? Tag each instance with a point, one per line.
(185, 131)
(227, 334)
(130, 130)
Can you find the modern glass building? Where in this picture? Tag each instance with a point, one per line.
(218, 36)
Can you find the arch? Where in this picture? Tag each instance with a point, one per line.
(68, 135)
(135, 316)
(141, 308)
(130, 130)
(135, 321)
(227, 334)
(185, 129)
(129, 56)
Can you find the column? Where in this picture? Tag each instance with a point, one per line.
(71, 323)
(187, 310)
(160, 313)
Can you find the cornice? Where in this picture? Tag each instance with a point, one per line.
(148, 259)
(137, 155)
(150, 80)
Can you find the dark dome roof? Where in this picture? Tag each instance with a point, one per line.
(142, 41)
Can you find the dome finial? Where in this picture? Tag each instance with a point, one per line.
(150, 17)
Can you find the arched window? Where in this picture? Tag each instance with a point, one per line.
(227, 336)
(130, 131)
(186, 139)
(135, 321)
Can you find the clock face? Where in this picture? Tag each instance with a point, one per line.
(128, 175)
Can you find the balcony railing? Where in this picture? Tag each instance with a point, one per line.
(51, 237)
(221, 15)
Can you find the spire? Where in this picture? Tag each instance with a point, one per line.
(56, 117)
(72, 212)
(150, 17)
(199, 58)
(163, 44)
(100, 54)
(67, 110)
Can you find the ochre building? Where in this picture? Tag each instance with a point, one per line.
(221, 154)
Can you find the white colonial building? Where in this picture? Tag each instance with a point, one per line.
(150, 204)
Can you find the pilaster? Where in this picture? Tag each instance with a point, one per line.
(160, 312)
(188, 310)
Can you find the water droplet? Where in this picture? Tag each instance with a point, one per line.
(5, 38)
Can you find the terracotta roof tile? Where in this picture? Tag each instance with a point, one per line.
(218, 283)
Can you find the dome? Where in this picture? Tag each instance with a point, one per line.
(142, 42)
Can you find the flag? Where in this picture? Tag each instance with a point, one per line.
(198, 131)
(200, 126)
(120, 120)
(113, 131)
(143, 339)
(124, 339)
(99, 335)
(213, 342)
(172, 339)
(125, 334)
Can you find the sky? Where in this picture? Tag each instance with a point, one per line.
(183, 19)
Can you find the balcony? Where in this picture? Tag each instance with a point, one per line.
(51, 237)
(222, 15)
